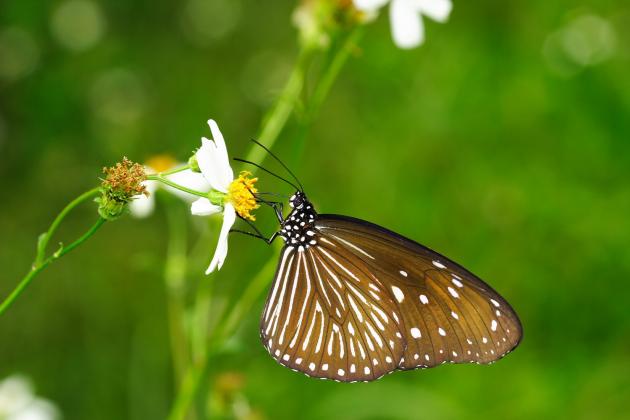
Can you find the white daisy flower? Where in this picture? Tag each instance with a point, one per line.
(144, 205)
(231, 196)
(406, 17)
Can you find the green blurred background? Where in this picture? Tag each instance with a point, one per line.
(504, 143)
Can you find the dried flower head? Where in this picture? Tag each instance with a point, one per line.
(122, 182)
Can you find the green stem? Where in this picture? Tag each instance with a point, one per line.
(253, 291)
(170, 183)
(278, 116)
(45, 238)
(174, 277)
(38, 267)
(331, 72)
(174, 171)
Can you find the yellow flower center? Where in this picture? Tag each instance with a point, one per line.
(161, 163)
(241, 195)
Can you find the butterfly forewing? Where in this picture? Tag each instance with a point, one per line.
(447, 313)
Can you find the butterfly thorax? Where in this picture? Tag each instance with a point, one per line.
(297, 228)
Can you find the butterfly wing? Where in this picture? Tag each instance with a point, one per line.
(362, 301)
(447, 314)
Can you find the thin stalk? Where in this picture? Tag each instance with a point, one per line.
(45, 238)
(278, 116)
(174, 277)
(170, 183)
(331, 72)
(38, 267)
(174, 171)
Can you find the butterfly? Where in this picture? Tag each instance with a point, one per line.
(352, 301)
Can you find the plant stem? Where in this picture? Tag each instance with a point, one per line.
(174, 277)
(38, 267)
(331, 72)
(45, 238)
(172, 184)
(278, 116)
(174, 171)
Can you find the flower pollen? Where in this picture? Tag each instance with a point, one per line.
(241, 195)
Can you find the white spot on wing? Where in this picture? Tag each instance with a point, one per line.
(495, 303)
(441, 332)
(424, 299)
(400, 296)
(403, 273)
(457, 283)
(493, 327)
(453, 292)
(415, 332)
(438, 264)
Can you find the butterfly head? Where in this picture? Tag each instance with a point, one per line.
(298, 200)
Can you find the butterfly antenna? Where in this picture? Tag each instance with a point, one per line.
(280, 162)
(268, 171)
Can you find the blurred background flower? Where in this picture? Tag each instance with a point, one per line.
(18, 401)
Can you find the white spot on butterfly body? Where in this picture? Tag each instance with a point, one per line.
(424, 299)
(400, 296)
(403, 273)
(441, 332)
(415, 332)
(438, 264)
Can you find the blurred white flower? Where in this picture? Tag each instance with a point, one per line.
(406, 17)
(143, 205)
(17, 401)
(231, 196)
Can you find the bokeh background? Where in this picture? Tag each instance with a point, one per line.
(504, 143)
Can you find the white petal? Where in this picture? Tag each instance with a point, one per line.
(224, 160)
(407, 26)
(438, 10)
(229, 217)
(208, 160)
(213, 160)
(369, 5)
(142, 206)
(203, 207)
(189, 179)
